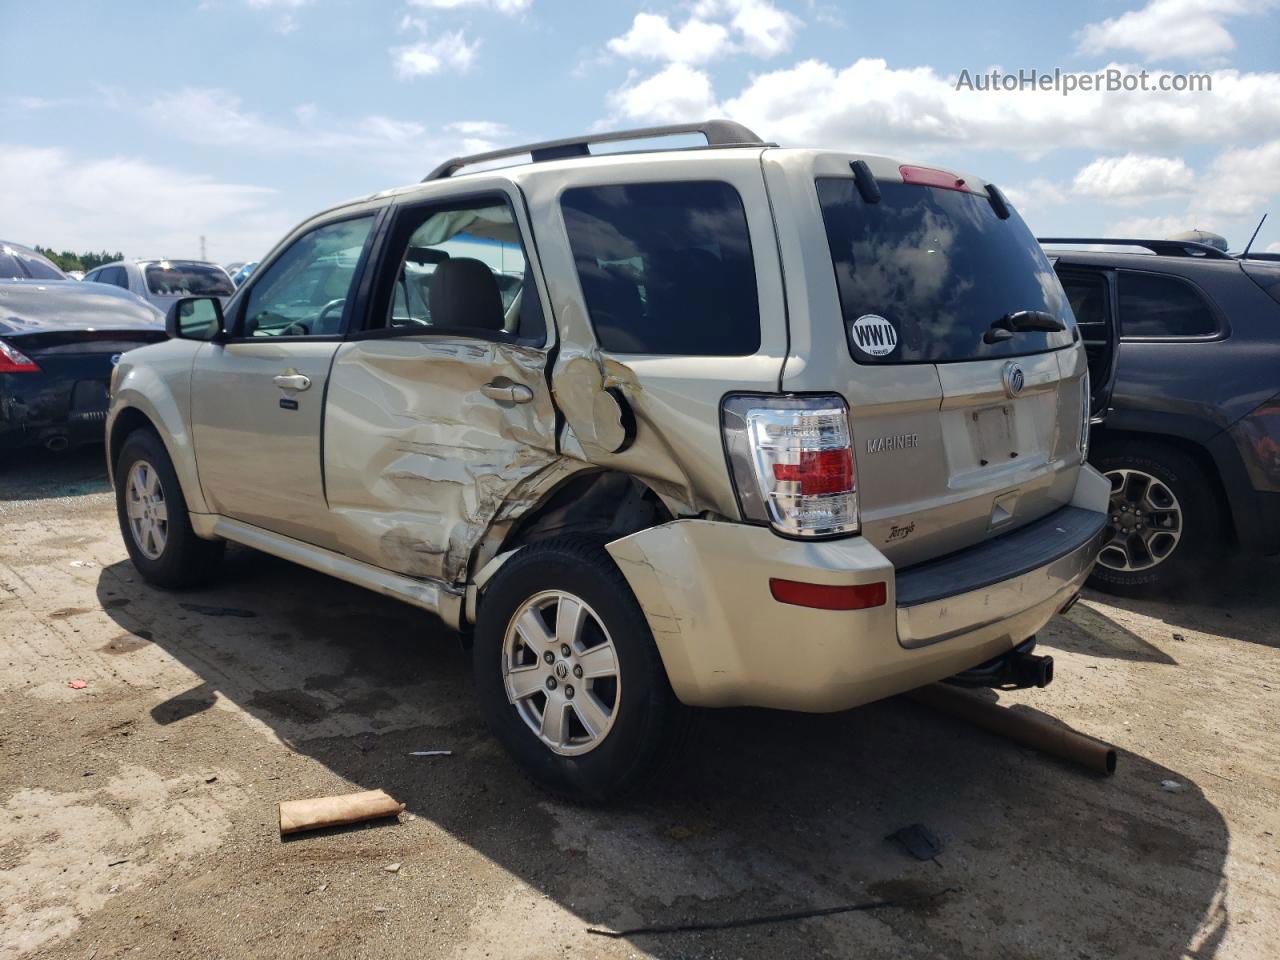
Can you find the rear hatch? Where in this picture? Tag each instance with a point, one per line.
(945, 329)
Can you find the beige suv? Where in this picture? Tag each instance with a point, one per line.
(717, 426)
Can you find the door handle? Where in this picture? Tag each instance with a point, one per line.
(507, 391)
(292, 381)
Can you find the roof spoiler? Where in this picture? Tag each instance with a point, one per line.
(719, 133)
(1163, 248)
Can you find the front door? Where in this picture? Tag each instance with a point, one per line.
(440, 409)
(257, 400)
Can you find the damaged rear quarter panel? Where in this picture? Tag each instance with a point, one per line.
(676, 400)
(418, 461)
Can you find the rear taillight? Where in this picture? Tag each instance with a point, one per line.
(792, 463)
(13, 360)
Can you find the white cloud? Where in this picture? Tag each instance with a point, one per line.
(1272, 247)
(509, 7)
(717, 28)
(217, 117)
(1170, 28)
(1133, 178)
(285, 22)
(451, 51)
(765, 31)
(869, 105)
(674, 94)
(1242, 180)
(1036, 194)
(69, 201)
(652, 37)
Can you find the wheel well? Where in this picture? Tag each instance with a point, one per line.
(602, 505)
(127, 421)
(1203, 459)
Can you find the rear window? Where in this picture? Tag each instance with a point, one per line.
(166, 279)
(1156, 306)
(21, 264)
(924, 273)
(665, 268)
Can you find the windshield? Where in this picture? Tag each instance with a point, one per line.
(171, 279)
(926, 271)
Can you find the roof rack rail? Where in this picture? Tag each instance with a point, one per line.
(1162, 248)
(719, 133)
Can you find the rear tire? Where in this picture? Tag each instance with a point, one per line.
(1168, 526)
(153, 516)
(590, 725)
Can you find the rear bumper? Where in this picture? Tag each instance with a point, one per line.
(38, 410)
(724, 640)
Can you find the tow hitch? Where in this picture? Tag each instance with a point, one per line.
(1017, 669)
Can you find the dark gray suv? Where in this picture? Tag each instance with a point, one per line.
(1184, 358)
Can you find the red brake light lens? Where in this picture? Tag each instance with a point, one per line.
(932, 177)
(818, 472)
(823, 596)
(13, 360)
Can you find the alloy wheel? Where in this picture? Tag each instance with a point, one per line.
(1145, 522)
(147, 510)
(560, 671)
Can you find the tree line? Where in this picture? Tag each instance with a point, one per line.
(66, 260)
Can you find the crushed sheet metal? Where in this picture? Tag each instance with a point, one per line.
(419, 460)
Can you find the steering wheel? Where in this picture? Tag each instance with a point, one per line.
(327, 308)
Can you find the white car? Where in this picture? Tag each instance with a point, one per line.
(164, 282)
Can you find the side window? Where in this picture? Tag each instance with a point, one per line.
(114, 275)
(303, 293)
(462, 267)
(1152, 305)
(665, 268)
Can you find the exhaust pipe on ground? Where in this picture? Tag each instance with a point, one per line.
(1032, 730)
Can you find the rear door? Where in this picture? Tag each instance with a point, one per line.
(257, 400)
(440, 408)
(960, 433)
(1092, 294)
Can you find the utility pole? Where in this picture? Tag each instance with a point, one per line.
(202, 253)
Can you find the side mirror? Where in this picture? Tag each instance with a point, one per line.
(195, 318)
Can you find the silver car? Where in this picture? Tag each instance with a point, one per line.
(164, 282)
(758, 427)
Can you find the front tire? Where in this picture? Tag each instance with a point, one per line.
(568, 676)
(1167, 525)
(153, 516)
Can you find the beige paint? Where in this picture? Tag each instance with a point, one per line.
(156, 381)
(424, 475)
(724, 640)
(940, 484)
(258, 461)
(419, 461)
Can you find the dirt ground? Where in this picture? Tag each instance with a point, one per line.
(138, 814)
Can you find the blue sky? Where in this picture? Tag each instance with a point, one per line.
(144, 126)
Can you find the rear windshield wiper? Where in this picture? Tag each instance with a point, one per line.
(1023, 321)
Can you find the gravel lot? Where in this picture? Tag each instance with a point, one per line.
(138, 814)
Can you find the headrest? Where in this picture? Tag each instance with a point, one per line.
(463, 293)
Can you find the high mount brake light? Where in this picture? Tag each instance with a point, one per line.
(931, 177)
(13, 360)
(792, 463)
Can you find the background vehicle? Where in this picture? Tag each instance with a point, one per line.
(1184, 355)
(22, 263)
(241, 273)
(658, 477)
(162, 282)
(59, 341)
